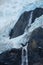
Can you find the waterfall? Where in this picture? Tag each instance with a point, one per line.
(24, 55)
(24, 47)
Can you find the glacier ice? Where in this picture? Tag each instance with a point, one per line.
(10, 11)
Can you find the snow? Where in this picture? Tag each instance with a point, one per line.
(6, 43)
(10, 11)
(38, 23)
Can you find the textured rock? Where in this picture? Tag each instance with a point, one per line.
(37, 13)
(11, 57)
(35, 47)
(35, 51)
(20, 25)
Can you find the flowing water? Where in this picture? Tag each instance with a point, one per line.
(24, 48)
(24, 55)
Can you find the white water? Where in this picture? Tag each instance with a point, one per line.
(25, 57)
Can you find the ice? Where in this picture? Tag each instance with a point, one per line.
(6, 43)
(38, 23)
(10, 11)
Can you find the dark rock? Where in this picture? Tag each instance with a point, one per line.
(35, 51)
(23, 21)
(37, 13)
(35, 47)
(11, 57)
(20, 25)
(38, 63)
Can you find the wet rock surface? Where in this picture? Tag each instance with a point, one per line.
(23, 22)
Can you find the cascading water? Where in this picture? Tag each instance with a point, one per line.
(24, 55)
(24, 47)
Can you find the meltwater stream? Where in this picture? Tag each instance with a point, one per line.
(24, 47)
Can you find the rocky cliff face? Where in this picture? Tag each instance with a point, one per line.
(23, 21)
(11, 57)
(23, 45)
(35, 44)
(35, 51)
(35, 47)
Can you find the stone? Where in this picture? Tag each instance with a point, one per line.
(11, 57)
(35, 47)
